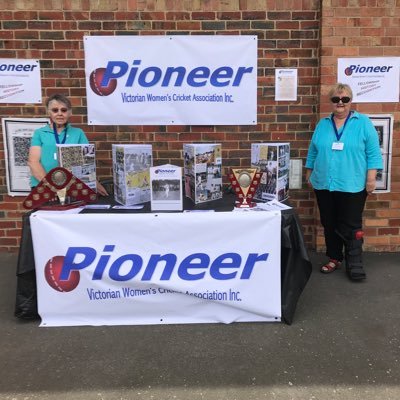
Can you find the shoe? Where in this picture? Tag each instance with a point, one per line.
(355, 272)
(330, 266)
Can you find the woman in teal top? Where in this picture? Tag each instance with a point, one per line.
(43, 151)
(342, 163)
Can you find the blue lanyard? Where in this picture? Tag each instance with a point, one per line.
(338, 136)
(57, 136)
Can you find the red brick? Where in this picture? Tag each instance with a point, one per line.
(389, 231)
(8, 242)
(152, 16)
(203, 15)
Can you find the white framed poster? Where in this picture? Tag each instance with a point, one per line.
(17, 134)
(384, 127)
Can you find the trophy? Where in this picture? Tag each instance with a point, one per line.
(244, 183)
(59, 190)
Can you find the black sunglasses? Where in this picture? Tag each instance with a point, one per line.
(56, 110)
(344, 99)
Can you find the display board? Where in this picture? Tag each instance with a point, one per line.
(17, 134)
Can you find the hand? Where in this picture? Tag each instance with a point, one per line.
(308, 176)
(370, 186)
(101, 189)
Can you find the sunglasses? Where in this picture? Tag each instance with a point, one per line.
(56, 110)
(344, 99)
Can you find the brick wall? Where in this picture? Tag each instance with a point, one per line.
(366, 28)
(292, 33)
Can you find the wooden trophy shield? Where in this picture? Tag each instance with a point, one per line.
(59, 190)
(244, 183)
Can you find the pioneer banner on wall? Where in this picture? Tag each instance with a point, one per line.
(20, 81)
(123, 269)
(372, 79)
(171, 80)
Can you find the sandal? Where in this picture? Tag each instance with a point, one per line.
(330, 266)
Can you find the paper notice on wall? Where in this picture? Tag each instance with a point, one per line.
(285, 84)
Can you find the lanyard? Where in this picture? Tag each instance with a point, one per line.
(338, 136)
(56, 135)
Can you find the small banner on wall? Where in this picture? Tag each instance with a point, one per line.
(164, 268)
(20, 81)
(372, 79)
(171, 80)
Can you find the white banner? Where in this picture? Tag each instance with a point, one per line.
(372, 79)
(20, 81)
(122, 269)
(171, 80)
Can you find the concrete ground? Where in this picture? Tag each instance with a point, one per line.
(344, 343)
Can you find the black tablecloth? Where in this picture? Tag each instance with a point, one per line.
(295, 263)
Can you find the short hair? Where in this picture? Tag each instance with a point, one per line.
(340, 87)
(61, 98)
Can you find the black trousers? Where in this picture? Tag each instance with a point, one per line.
(339, 212)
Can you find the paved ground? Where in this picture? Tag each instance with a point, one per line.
(344, 344)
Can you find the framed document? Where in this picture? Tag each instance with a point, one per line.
(384, 127)
(17, 134)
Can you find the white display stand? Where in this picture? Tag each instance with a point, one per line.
(203, 171)
(131, 173)
(80, 160)
(273, 160)
(166, 188)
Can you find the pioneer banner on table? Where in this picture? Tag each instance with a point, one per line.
(122, 269)
(171, 80)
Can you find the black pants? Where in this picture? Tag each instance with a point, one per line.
(339, 212)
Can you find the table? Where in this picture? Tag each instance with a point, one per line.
(295, 263)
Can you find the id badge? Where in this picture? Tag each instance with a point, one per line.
(337, 146)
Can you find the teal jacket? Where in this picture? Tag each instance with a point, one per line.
(44, 137)
(344, 170)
